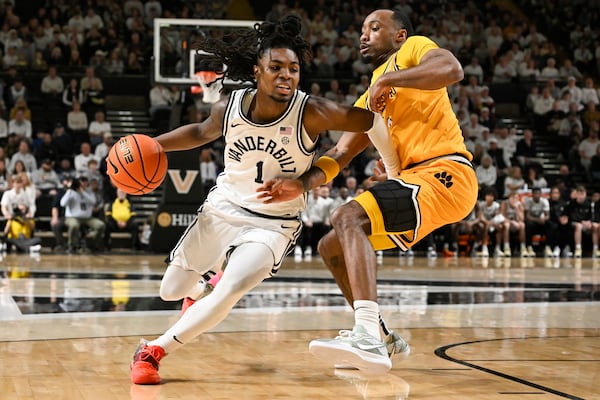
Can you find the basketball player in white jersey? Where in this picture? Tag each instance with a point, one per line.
(270, 131)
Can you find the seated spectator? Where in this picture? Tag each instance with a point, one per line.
(15, 91)
(93, 173)
(537, 214)
(20, 125)
(79, 203)
(535, 177)
(504, 71)
(72, 93)
(63, 141)
(83, 158)
(77, 124)
(526, 151)
(39, 63)
(65, 169)
(102, 149)
(591, 114)
(23, 155)
(208, 169)
(161, 98)
(20, 104)
(575, 91)
(549, 71)
(94, 98)
(578, 211)
(45, 179)
(528, 70)
(514, 181)
(133, 64)
(474, 69)
(97, 128)
(86, 81)
(532, 97)
(19, 209)
(587, 148)
(514, 221)
(568, 69)
(589, 93)
(47, 148)
(52, 85)
(120, 217)
(489, 220)
(114, 64)
(486, 173)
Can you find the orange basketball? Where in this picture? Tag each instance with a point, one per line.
(136, 164)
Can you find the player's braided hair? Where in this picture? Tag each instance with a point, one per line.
(240, 50)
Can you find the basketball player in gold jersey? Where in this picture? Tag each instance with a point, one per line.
(434, 186)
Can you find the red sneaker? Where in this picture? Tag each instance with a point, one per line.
(144, 367)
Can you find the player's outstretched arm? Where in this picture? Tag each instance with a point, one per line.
(190, 136)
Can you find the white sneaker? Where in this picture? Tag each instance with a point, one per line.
(531, 252)
(431, 253)
(498, 252)
(356, 348)
(578, 252)
(395, 345)
(556, 252)
(507, 252)
(35, 248)
(548, 252)
(485, 252)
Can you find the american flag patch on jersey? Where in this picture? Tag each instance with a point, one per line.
(285, 130)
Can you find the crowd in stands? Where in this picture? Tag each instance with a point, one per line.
(77, 46)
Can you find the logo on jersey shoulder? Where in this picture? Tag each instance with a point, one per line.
(444, 178)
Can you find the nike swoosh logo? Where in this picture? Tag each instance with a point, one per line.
(287, 227)
(234, 125)
(177, 340)
(115, 169)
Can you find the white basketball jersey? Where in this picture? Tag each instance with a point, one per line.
(255, 153)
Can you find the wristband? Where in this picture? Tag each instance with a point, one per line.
(329, 166)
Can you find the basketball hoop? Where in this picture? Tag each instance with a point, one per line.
(210, 85)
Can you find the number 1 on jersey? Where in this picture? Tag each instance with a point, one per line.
(259, 172)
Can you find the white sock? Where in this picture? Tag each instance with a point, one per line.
(578, 246)
(366, 313)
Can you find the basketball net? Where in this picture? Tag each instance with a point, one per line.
(210, 85)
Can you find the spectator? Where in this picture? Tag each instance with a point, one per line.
(52, 85)
(569, 70)
(514, 181)
(120, 217)
(15, 91)
(514, 221)
(3, 131)
(4, 176)
(23, 155)
(535, 177)
(574, 90)
(18, 209)
(77, 123)
(537, 214)
(558, 232)
(83, 158)
(161, 98)
(46, 179)
(72, 93)
(90, 76)
(474, 69)
(79, 203)
(102, 149)
(47, 149)
(57, 221)
(587, 148)
(549, 71)
(98, 127)
(589, 94)
(208, 169)
(20, 104)
(504, 71)
(489, 220)
(578, 211)
(94, 98)
(526, 152)
(20, 125)
(114, 64)
(63, 141)
(528, 70)
(486, 173)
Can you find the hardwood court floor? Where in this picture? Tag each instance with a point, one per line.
(501, 329)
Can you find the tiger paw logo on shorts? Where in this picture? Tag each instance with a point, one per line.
(444, 178)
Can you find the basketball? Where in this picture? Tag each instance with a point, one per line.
(136, 164)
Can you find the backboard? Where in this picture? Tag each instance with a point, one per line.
(175, 63)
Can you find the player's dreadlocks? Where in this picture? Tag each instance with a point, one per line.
(240, 50)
